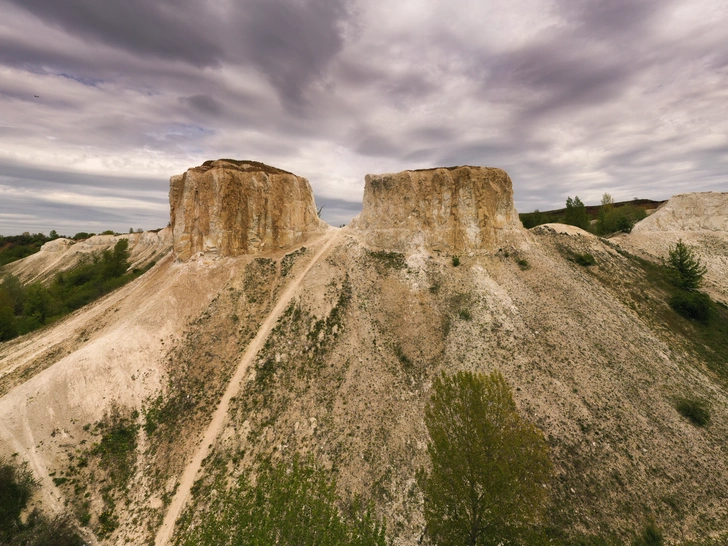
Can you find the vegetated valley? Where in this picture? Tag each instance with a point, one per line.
(107, 406)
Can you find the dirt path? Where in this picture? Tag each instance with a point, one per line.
(164, 534)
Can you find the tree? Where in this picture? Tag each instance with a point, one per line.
(490, 468)
(8, 329)
(38, 303)
(576, 213)
(684, 268)
(116, 261)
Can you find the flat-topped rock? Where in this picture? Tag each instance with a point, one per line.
(232, 207)
(453, 209)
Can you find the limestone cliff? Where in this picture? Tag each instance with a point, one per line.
(453, 209)
(240, 207)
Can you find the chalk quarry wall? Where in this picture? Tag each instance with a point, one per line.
(452, 209)
(240, 207)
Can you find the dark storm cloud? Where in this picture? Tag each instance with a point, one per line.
(203, 104)
(180, 30)
(613, 20)
(290, 41)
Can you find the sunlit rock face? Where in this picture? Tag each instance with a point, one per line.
(231, 207)
(453, 209)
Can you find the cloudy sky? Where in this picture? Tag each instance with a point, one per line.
(102, 100)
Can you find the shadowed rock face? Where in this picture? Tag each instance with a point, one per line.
(240, 207)
(453, 209)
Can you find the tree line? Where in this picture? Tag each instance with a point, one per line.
(610, 217)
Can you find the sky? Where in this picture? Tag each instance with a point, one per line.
(101, 101)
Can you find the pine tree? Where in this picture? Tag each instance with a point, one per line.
(685, 269)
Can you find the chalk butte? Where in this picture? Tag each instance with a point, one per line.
(453, 209)
(231, 207)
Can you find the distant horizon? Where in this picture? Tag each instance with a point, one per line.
(80, 229)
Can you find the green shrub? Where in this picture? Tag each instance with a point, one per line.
(532, 219)
(523, 264)
(584, 259)
(117, 449)
(695, 410)
(465, 314)
(16, 486)
(692, 305)
(650, 536)
(290, 504)
(619, 219)
(576, 214)
(455, 261)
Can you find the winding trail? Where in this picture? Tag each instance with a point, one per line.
(164, 534)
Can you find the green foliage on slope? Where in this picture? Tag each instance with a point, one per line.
(27, 308)
(15, 247)
(289, 504)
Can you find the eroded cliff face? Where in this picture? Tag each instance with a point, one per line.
(452, 209)
(240, 207)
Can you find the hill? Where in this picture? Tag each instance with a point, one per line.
(324, 343)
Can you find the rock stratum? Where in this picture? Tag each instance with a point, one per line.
(231, 207)
(453, 209)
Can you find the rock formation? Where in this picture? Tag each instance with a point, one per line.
(453, 209)
(706, 211)
(240, 207)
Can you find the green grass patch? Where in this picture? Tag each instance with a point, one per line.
(707, 340)
(387, 260)
(585, 259)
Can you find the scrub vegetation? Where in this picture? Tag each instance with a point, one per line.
(604, 219)
(24, 308)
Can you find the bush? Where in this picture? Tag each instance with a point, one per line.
(523, 264)
(695, 410)
(532, 219)
(456, 261)
(650, 536)
(16, 486)
(584, 259)
(620, 219)
(692, 305)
